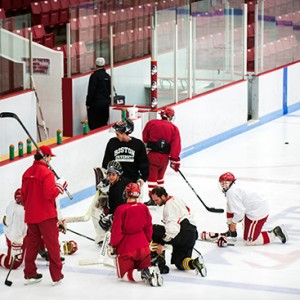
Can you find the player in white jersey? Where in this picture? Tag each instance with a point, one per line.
(251, 208)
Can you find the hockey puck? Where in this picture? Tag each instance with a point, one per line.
(286, 143)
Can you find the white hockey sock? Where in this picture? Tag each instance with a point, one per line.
(132, 275)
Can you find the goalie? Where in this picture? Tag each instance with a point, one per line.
(111, 189)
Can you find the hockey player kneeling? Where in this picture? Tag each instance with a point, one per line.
(131, 234)
(179, 231)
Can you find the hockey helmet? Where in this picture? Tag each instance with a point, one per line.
(167, 113)
(114, 167)
(132, 190)
(125, 125)
(69, 247)
(227, 177)
(226, 180)
(18, 196)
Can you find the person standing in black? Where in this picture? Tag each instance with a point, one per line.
(98, 97)
(129, 151)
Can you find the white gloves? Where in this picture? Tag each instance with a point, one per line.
(16, 251)
(61, 184)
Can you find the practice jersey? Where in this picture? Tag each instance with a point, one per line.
(175, 211)
(15, 228)
(39, 193)
(243, 202)
(131, 228)
(131, 155)
(156, 130)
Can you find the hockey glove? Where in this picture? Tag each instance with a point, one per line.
(61, 184)
(175, 164)
(111, 251)
(16, 251)
(209, 236)
(105, 221)
(62, 226)
(222, 241)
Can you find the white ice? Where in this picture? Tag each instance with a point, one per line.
(265, 159)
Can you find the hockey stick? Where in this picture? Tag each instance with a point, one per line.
(14, 116)
(40, 109)
(210, 209)
(8, 282)
(75, 232)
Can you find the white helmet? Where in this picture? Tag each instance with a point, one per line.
(100, 61)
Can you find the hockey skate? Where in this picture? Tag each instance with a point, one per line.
(59, 281)
(152, 276)
(160, 262)
(31, 280)
(280, 233)
(200, 266)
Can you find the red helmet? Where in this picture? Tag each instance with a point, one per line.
(132, 190)
(69, 247)
(168, 113)
(227, 177)
(18, 196)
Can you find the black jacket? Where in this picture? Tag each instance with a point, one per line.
(98, 89)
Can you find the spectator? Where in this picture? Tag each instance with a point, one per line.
(98, 96)
(130, 237)
(39, 191)
(163, 144)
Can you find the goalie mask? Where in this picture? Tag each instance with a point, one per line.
(226, 180)
(114, 167)
(69, 247)
(125, 125)
(132, 190)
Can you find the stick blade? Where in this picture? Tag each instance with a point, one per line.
(8, 282)
(8, 115)
(91, 261)
(215, 210)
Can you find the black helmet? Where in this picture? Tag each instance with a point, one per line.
(125, 125)
(114, 167)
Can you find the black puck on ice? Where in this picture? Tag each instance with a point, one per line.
(286, 143)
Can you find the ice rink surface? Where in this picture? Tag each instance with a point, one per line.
(266, 159)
